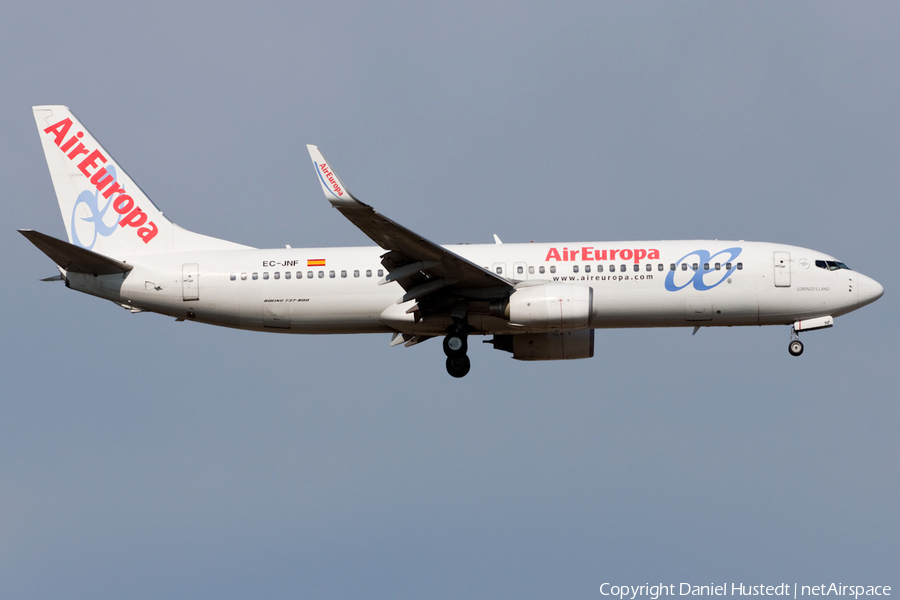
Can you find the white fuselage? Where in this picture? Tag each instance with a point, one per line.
(714, 283)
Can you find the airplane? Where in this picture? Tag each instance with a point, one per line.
(537, 301)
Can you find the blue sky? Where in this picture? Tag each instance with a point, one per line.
(140, 457)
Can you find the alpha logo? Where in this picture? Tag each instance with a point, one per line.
(328, 179)
(587, 253)
(95, 216)
(701, 271)
(104, 180)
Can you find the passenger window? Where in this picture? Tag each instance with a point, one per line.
(277, 275)
(660, 267)
(718, 266)
(531, 270)
(728, 266)
(684, 266)
(287, 274)
(520, 270)
(637, 268)
(331, 274)
(309, 274)
(540, 269)
(255, 276)
(243, 277)
(343, 274)
(587, 268)
(499, 270)
(695, 266)
(265, 274)
(381, 272)
(321, 274)
(599, 268)
(368, 272)
(233, 277)
(356, 273)
(649, 267)
(706, 266)
(740, 266)
(553, 268)
(623, 268)
(574, 268)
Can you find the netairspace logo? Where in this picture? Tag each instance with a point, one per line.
(654, 592)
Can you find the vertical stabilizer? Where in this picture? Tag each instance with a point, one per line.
(102, 208)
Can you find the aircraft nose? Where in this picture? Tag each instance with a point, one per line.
(869, 290)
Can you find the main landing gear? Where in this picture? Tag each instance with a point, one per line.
(455, 347)
(796, 346)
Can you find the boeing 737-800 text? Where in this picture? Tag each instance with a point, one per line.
(538, 301)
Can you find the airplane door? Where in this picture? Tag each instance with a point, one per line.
(190, 282)
(520, 271)
(782, 269)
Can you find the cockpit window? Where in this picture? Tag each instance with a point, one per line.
(831, 265)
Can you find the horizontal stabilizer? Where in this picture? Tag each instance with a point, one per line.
(73, 258)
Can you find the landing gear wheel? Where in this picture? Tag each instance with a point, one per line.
(458, 366)
(795, 348)
(455, 344)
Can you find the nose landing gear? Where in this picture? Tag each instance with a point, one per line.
(796, 346)
(455, 347)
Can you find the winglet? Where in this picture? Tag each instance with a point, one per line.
(335, 190)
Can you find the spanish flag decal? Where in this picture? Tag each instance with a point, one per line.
(315, 262)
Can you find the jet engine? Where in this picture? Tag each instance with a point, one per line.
(551, 306)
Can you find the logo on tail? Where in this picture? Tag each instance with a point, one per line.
(104, 181)
(95, 216)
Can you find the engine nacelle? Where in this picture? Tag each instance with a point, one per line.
(551, 306)
(554, 345)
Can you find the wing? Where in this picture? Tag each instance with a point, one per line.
(436, 278)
